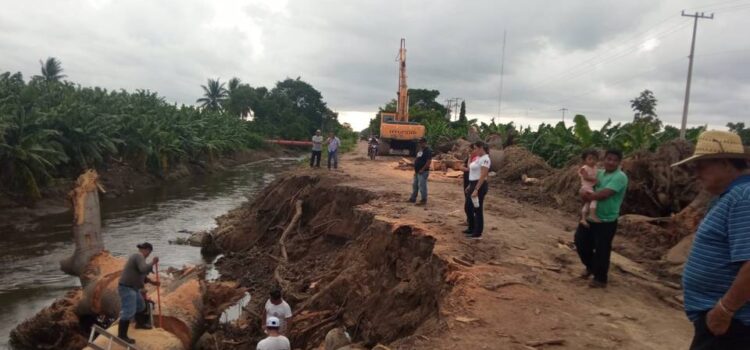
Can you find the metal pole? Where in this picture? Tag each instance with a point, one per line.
(502, 71)
(685, 107)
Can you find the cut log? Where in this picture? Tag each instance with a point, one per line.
(189, 304)
(87, 224)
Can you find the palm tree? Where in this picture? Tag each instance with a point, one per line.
(52, 69)
(233, 84)
(214, 94)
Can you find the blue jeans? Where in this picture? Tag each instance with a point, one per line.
(131, 301)
(419, 185)
(333, 155)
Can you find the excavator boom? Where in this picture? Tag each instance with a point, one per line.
(396, 132)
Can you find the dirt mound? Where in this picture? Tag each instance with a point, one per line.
(655, 188)
(345, 268)
(515, 161)
(66, 330)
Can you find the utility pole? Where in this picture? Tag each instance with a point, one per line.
(563, 113)
(695, 16)
(502, 71)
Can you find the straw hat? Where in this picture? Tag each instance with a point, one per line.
(714, 144)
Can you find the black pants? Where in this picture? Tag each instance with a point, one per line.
(475, 216)
(467, 200)
(594, 245)
(736, 338)
(315, 159)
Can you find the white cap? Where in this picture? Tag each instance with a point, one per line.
(273, 322)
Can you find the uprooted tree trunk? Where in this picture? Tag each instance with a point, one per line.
(87, 224)
(188, 302)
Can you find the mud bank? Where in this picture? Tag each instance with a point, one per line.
(339, 264)
(118, 179)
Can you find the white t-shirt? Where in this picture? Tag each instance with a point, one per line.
(475, 168)
(317, 141)
(274, 343)
(281, 311)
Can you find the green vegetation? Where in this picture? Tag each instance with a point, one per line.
(50, 128)
(557, 144)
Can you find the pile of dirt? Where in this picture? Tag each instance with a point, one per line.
(342, 267)
(55, 327)
(513, 162)
(655, 188)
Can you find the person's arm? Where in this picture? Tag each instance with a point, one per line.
(142, 266)
(617, 184)
(738, 234)
(485, 170)
(288, 318)
(427, 164)
(588, 177)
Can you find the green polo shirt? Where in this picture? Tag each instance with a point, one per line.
(608, 210)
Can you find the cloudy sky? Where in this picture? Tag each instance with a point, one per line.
(590, 57)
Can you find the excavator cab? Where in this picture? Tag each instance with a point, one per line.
(399, 137)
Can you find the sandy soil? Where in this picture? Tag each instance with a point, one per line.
(521, 287)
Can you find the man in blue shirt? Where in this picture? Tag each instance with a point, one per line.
(716, 279)
(333, 150)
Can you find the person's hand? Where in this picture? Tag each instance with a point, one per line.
(155, 260)
(718, 321)
(475, 193)
(466, 190)
(581, 172)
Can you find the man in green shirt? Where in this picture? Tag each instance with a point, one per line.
(594, 243)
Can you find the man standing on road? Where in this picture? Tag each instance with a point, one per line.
(132, 280)
(333, 150)
(317, 149)
(421, 172)
(594, 243)
(716, 278)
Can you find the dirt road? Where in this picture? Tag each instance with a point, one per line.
(521, 288)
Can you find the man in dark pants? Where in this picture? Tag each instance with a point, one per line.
(594, 243)
(132, 281)
(716, 278)
(421, 172)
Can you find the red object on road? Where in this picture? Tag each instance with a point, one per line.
(290, 142)
(158, 293)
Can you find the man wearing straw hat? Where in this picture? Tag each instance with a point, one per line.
(716, 279)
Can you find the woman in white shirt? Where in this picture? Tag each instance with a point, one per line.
(479, 168)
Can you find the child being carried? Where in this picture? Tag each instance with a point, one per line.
(588, 172)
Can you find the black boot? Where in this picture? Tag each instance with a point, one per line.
(143, 320)
(122, 332)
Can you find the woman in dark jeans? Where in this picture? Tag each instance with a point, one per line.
(467, 200)
(476, 190)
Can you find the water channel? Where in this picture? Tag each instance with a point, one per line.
(30, 277)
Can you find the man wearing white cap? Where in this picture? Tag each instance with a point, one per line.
(317, 148)
(274, 341)
(716, 279)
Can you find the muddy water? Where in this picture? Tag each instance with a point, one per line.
(30, 277)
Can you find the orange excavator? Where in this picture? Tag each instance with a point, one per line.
(397, 134)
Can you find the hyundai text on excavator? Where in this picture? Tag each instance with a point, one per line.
(397, 133)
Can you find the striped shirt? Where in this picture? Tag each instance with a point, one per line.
(720, 247)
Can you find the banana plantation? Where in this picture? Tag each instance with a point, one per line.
(51, 128)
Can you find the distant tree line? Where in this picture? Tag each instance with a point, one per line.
(51, 128)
